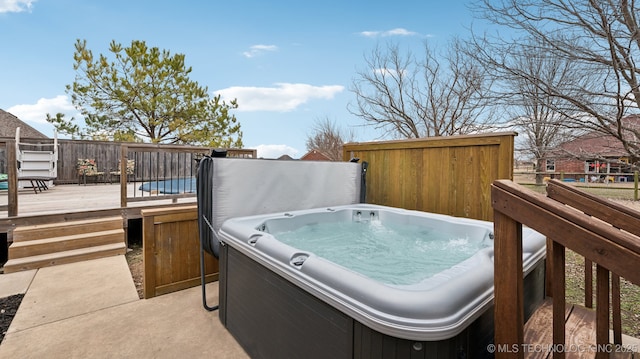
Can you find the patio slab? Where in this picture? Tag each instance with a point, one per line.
(91, 310)
(15, 283)
(69, 290)
(170, 326)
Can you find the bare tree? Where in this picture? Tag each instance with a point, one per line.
(328, 139)
(435, 96)
(601, 41)
(532, 111)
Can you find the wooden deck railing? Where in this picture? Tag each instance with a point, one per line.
(154, 164)
(602, 232)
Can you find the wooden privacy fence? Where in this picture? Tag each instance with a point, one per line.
(171, 251)
(602, 232)
(448, 175)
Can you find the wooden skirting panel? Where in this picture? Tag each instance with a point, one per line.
(171, 251)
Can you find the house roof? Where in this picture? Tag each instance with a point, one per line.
(593, 144)
(596, 144)
(9, 123)
(285, 158)
(315, 155)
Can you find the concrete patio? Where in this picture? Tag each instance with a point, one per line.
(91, 309)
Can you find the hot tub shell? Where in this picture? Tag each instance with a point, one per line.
(277, 305)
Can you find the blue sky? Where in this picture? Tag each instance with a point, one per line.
(289, 63)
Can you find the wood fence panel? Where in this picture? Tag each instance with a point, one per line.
(448, 175)
(171, 251)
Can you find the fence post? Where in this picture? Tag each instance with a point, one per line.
(124, 153)
(635, 185)
(12, 171)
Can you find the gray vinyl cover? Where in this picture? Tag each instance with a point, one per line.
(246, 187)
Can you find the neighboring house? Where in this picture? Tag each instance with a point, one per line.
(9, 123)
(285, 158)
(315, 155)
(591, 157)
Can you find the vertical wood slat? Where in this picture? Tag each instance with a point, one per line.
(509, 307)
(615, 306)
(559, 301)
(602, 309)
(148, 257)
(548, 275)
(588, 283)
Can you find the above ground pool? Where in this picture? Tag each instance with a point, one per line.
(349, 281)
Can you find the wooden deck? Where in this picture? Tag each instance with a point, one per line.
(73, 197)
(71, 202)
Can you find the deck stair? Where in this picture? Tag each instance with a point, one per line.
(580, 324)
(51, 244)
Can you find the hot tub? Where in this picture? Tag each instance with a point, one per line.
(280, 300)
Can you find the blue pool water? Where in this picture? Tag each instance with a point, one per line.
(173, 186)
(4, 184)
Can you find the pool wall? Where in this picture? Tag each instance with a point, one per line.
(274, 314)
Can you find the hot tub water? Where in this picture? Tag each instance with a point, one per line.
(391, 253)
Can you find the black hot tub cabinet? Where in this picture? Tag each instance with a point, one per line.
(278, 306)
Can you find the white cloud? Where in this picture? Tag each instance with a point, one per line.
(398, 32)
(393, 32)
(256, 50)
(16, 5)
(275, 151)
(369, 33)
(37, 113)
(282, 98)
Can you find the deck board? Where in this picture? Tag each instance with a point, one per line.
(538, 329)
(580, 332)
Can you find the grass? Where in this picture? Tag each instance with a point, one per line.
(629, 293)
(611, 192)
(574, 271)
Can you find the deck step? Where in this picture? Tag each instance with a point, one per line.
(40, 231)
(63, 243)
(49, 244)
(64, 257)
(580, 332)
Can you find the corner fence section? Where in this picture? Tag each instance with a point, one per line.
(450, 175)
(601, 231)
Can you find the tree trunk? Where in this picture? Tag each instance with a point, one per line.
(539, 171)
